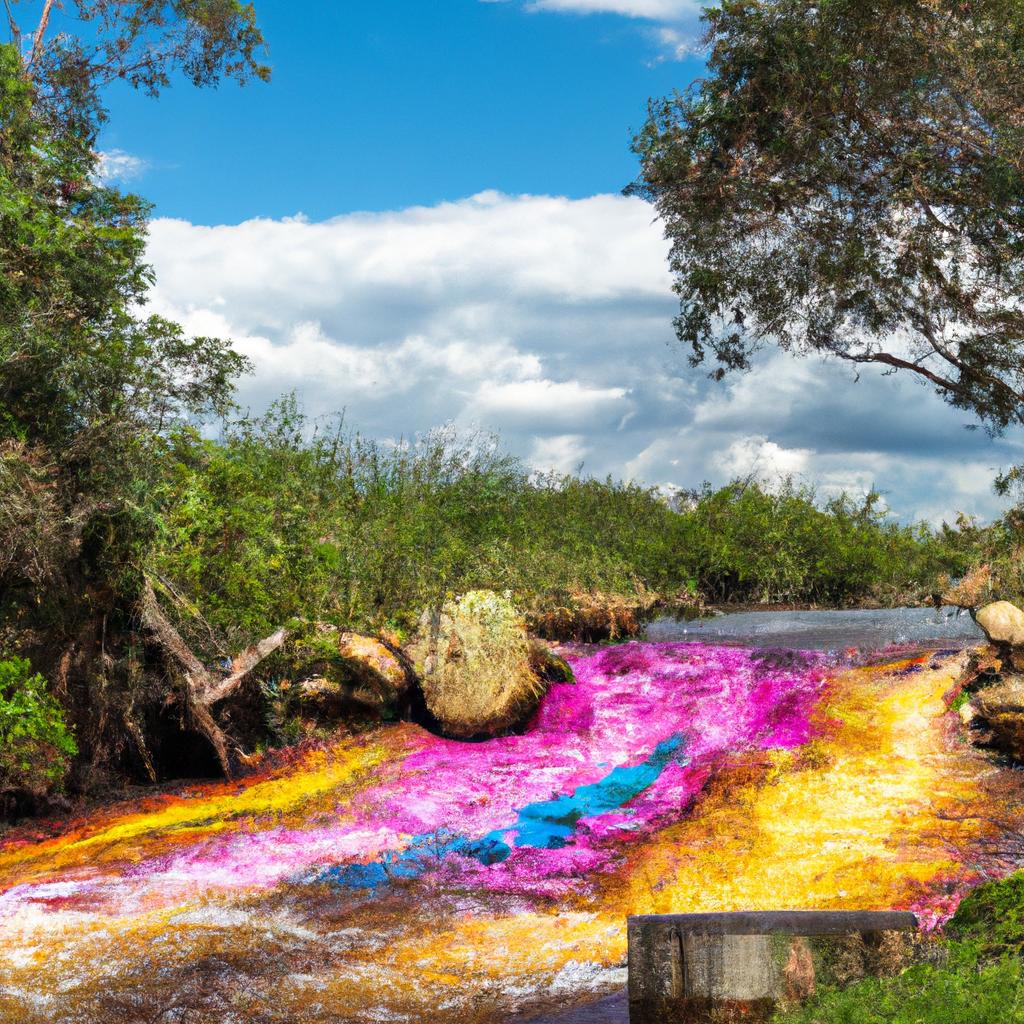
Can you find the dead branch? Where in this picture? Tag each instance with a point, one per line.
(197, 679)
(40, 32)
(244, 663)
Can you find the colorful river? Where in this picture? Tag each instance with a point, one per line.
(398, 876)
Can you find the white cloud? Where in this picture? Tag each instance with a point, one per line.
(564, 453)
(548, 320)
(759, 457)
(655, 10)
(675, 31)
(116, 166)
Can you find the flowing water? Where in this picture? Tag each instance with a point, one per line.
(867, 630)
(398, 876)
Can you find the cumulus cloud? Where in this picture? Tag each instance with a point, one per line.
(548, 320)
(675, 22)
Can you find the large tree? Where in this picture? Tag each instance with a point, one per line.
(90, 387)
(848, 179)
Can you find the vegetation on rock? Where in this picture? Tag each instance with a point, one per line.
(475, 664)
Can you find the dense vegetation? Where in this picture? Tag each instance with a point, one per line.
(973, 976)
(276, 520)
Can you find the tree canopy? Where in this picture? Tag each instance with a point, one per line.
(849, 180)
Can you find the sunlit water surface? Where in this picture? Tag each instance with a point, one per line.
(868, 630)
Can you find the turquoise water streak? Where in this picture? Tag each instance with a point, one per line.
(546, 825)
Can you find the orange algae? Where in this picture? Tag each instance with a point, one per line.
(861, 816)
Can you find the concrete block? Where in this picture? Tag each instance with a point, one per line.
(718, 968)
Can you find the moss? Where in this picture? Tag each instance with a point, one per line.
(975, 975)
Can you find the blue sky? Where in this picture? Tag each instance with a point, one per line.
(419, 223)
(404, 102)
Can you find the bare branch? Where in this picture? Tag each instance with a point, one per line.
(13, 25)
(40, 32)
(244, 663)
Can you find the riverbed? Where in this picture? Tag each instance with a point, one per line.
(399, 876)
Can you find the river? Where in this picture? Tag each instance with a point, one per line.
(397, 876)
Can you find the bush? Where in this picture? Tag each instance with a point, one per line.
(278, 519)
(750, 543)
(35, 743)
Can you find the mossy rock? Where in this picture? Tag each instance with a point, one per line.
(475, 667)
(992, 918)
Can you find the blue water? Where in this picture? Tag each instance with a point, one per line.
(545, 825)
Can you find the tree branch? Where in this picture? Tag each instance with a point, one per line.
(244, 663)
(40, 32)
(13, 25)
(193, 669)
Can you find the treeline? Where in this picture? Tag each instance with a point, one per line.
(278, 520)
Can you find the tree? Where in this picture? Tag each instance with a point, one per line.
(90, 389)
(848, 180)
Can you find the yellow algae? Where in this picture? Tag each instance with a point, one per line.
(177, 820)
(861, 825)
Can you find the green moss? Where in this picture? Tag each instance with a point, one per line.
(977, 976)
(992, 918)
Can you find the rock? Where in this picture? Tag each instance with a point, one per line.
(338, 676)
(1000, 710)
(475, 668)
(1002, 622)
(379, 673)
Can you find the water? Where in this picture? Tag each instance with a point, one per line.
(828, 630)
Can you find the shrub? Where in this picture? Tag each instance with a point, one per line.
(35, 743)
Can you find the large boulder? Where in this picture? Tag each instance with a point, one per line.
(1003, 623)
(474, 663)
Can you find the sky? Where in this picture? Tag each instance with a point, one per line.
(420, 221)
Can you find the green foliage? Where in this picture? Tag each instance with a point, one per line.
(35, 744)
(745, 542)
(847, 179)
(278, 520)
